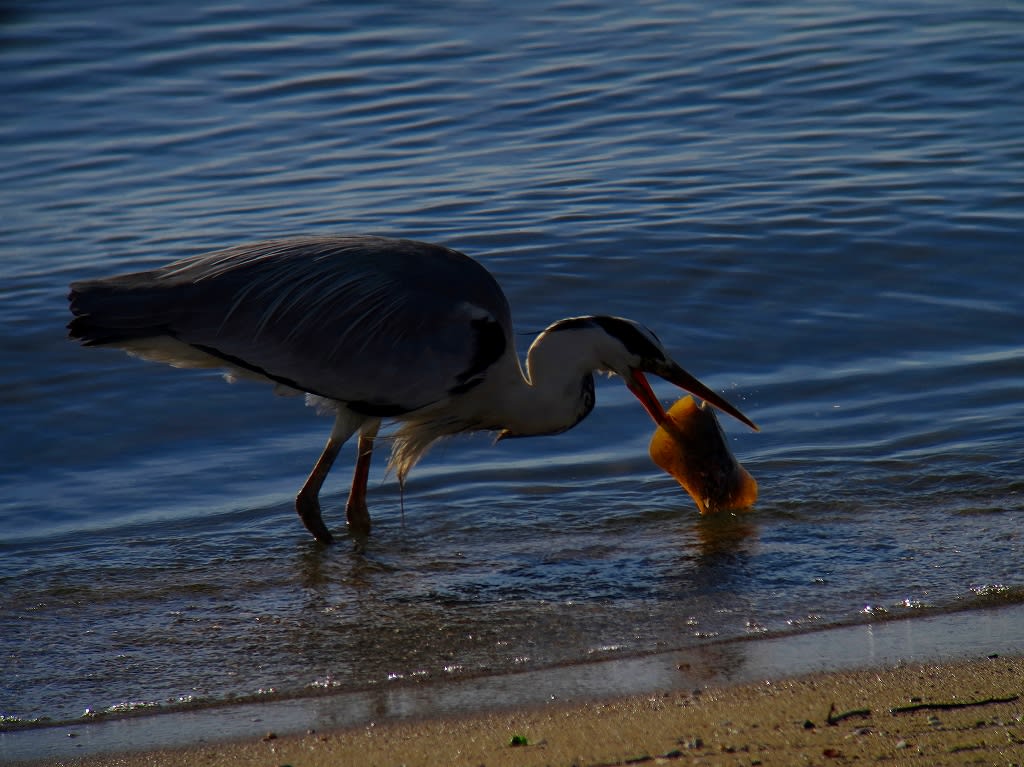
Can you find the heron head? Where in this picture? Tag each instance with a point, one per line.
(634, 350)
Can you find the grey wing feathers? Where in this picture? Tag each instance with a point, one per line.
(390, 324)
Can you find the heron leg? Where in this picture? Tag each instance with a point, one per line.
(355, 510)
(307, 502)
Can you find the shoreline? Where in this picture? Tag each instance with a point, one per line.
(935, 714)
(953, 639)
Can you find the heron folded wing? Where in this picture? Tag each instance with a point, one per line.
(388, 325)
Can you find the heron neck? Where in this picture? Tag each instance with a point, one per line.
(554, 392)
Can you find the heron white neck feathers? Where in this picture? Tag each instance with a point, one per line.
(552, 394)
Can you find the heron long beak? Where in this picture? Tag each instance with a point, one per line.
(674, 374)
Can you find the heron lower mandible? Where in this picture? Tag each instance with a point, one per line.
(373, 329)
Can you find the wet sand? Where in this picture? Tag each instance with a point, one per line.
(964, 712)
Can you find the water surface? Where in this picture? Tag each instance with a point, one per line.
(818, 209)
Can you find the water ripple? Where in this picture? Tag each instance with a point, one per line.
(817, 207)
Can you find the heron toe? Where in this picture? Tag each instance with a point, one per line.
(309, 512)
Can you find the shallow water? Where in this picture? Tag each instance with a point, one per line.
(947, 636)
(817, 209)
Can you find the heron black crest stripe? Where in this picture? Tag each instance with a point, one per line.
(626, 332)
(630, 336)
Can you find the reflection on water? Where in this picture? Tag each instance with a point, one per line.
(816, 208)
(725, 536)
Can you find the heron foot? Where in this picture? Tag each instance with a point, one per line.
(308, 506)
(358, 517)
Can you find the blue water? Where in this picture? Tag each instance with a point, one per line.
(818, 208)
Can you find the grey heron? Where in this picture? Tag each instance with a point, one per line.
(373, 329)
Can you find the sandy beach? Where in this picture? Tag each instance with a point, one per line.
(958, 713)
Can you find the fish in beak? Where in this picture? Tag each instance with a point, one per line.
(671, 372)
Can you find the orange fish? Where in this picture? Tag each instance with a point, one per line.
(690, 445)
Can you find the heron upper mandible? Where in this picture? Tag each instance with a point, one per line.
(373, 329)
